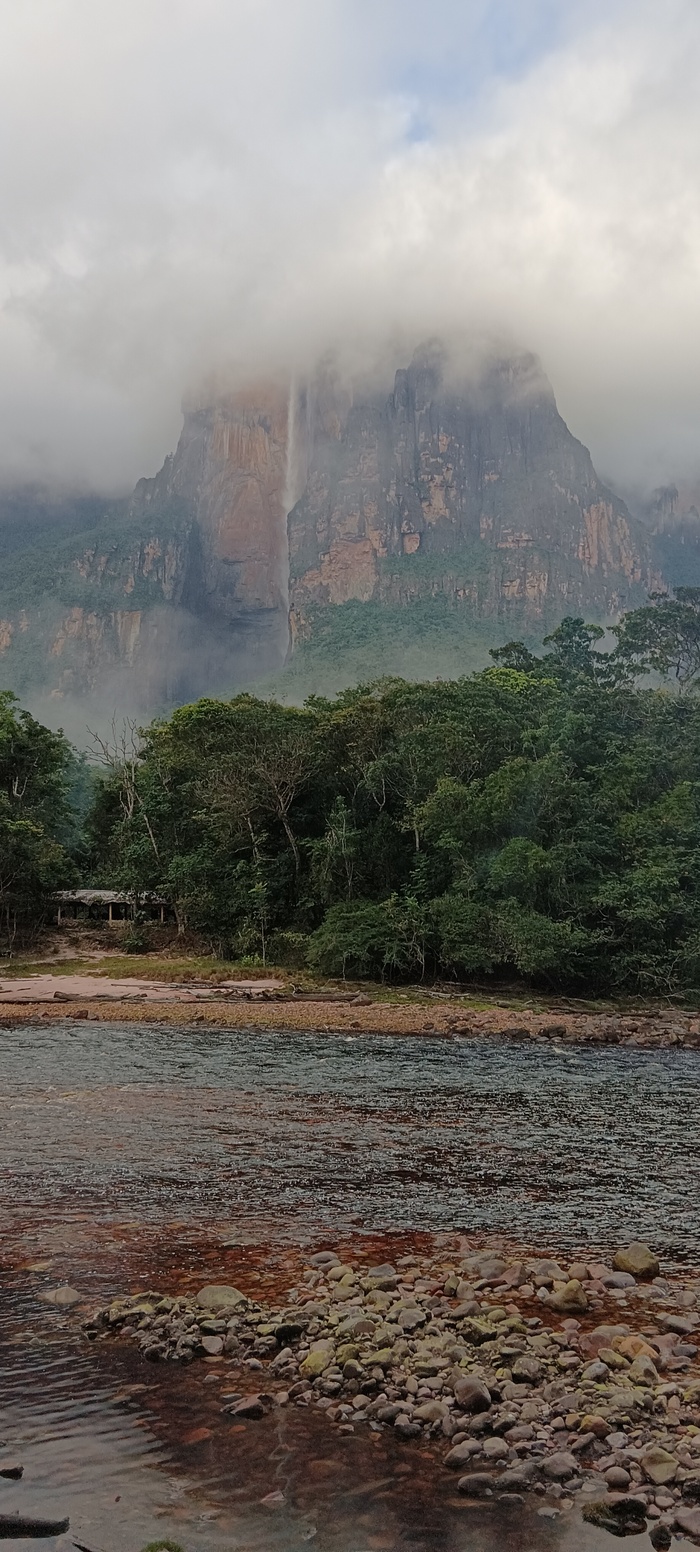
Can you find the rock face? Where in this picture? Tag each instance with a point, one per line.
(459, 491)
(468, 487)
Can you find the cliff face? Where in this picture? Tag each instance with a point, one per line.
(473, 489)
(466, 494)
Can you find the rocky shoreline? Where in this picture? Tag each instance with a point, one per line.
(574, 1383)
(439, 1017)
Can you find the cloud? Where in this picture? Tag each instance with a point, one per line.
(191, 185)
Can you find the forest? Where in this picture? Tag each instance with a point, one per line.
(538, 819)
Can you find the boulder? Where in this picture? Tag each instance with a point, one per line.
(637, 1259)
(219, 1296)
(688, 1520)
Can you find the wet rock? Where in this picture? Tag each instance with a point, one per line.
(661, 1538)
(637, 1259)
(620, 1516)
(24, 1525)
(545, 1273)
(248, 1406)
(457, 1457)
(472, 1394)
(659, 1466)
(13, 1473)
(219, 1296)
(476, 1485)
(62, 1298)
(405, 1426)
(518, 1479)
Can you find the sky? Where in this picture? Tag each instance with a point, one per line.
(197, 187)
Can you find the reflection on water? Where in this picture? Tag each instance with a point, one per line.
(128, 1155)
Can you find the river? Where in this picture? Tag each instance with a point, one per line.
(135, 1156)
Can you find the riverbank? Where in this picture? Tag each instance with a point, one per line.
(343, 1012)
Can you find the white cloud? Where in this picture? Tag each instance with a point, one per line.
(197, 182)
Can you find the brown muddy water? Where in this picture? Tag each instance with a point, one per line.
(135, 1157)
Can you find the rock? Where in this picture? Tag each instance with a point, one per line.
(430, 1412)
(274, 1500)
(560, 1466)
(683, 1325)
(13, 1473)
(591, 1422)
(620, 1516)
(385, 1277)
(23, 1525)
(62, 1298)
(213, 1345)
(405, 1426)
(688, 1520)
(661, 1538)
(218, 1296)
(476, 1485)
(659, 1466)
(411, 1319)
(570, 1298)
(518, 1479)
(472, 1394)
(637, 1259)
(527, 1369)
(618, 1479)
(324, 1259)
(248, 1406)
(495, 1449)
(547, 1272)
(315, 1364)
(457, 1457)
(596, 1371)
(612, 1359)
(643, 1371)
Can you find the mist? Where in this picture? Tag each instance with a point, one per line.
(235, 186)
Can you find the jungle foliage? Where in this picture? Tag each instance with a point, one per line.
(538, 818)
(40, 776)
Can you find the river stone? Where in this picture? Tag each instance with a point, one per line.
(560, 1466)
(527, 1368)
(405, 1426)
(315, 1364)
(411, 1319)
(689, 1521)
(430, 1412)
(570, 1298)
(659, 1466)
(596, 1371)
(637, 1259)
(612, 1359)
(495, 1449)
(476, 1485)
(618, 1480)
(472, 1394)
(547, 1272)
(682, 1325)
(661, 1538)
(63, 1298)
(461, 1453)
(643, 1371)
(219, 1296)
(213, 1345)
(517, 1479)
(248, 1406)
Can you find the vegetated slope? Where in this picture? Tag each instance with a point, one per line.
(433, 519)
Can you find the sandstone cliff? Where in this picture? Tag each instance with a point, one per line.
(474, 489)
(463, 494)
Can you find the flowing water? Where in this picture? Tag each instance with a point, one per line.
(136, 1156)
